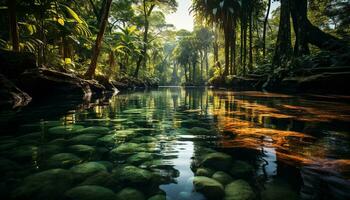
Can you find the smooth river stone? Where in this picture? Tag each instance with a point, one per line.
(50, 184)
(239, 190)
(209, 187)
(90, 192)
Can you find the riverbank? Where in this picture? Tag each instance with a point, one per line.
(22, 81)
(325, 72)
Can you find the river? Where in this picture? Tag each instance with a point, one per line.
(163, 143)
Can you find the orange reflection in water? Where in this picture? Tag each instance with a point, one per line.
(292, 147)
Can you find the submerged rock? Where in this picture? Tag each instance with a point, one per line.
(133, 176)
(104, 179)
(241, 169)
(90, 192)
(139, 158)
(94, 130)
(87, 139)
(85, 151)
(63, 160)
(22, 153)
(222, 177)
(204, 172)
(239, 190)
(107, 140)
(89, 168)
(157, 197)
(157, 164)
(209, 187)
(126, 149)
(218, 161)
(64, 130)
(130, 194)
(50, 184)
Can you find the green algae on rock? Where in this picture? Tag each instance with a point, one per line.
(222, 177)
(63, 160)
(218, 161)
(239, 190)
(87, 169)
(209, 187)
(90, 192)
(130, 193)
(50, 184)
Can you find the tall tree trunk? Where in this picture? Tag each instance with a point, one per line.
(206, 63)
(142, 58)
(233, 52)
(98, 43)
(299, 16)
(265, 27)
(283, 48)
(245, 48)
(250, 64)
(13, 24)
(216, 50)
(227, 48)
(194, 70)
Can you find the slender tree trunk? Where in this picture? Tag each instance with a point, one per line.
(143, 56)
(194, 71)
(227, 49)
(265, 27)
(245, 48)
(13, 24)
(216, 50)
(98, 43)
(250, 65)
(206, 63)
(283, 48)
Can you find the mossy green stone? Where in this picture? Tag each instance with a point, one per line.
(239, 190)
(139, 158)
(90, 192)
(82, 150)
(63, 160)
(223, 177)
(157, 197)
(89, 168)
(209, 187)
(87, 139)
(130, 194)
(94, 130)
(107, 140)
(218, 161)
(50, 184)
(134, 176)
(204, 172)
(64, 130)
(126, 149)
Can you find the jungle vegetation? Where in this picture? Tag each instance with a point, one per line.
(128, 39)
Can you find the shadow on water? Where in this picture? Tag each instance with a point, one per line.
(178, 143)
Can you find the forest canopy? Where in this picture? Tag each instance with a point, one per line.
(128, 39)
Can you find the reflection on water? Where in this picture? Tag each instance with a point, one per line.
(162, 144)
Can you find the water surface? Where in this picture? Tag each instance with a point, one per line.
(155, 142)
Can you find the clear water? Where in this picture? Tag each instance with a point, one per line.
(293, 147)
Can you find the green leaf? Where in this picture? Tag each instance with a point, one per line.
(73, 14)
